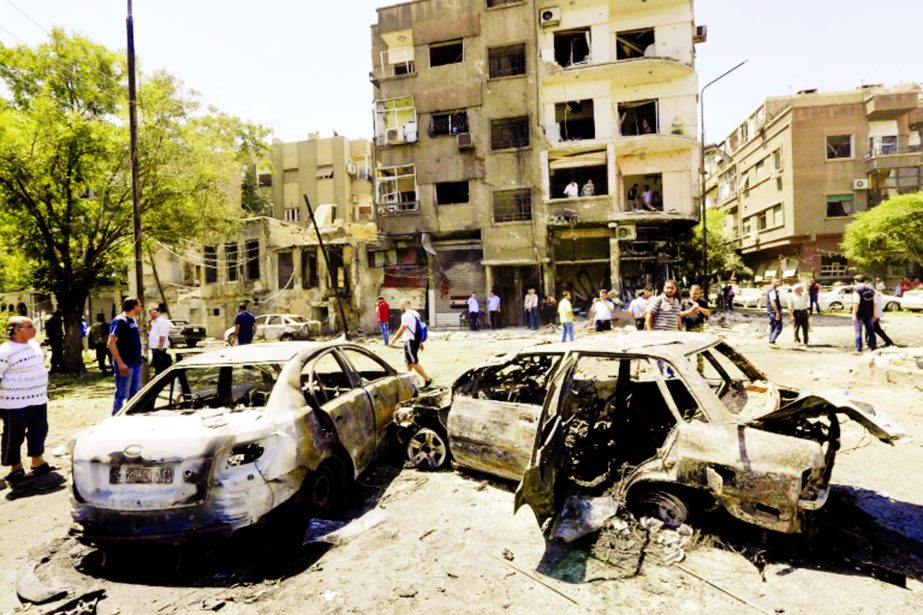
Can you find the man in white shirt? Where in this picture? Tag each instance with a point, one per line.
(572, 190)
(602, 312)
(413, 344)
(474, 311)
(647, 197)
(638, 307)
(493, 310)
(158, 340)
(798, 309)
(23, 399)
(530, 305)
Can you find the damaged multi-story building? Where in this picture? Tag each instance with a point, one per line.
(792, 175)
(275, 262)
(532, 144)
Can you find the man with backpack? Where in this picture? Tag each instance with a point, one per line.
(416, 330)
(864, 312)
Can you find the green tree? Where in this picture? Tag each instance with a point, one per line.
(723, 259)
(65, 175)
(889, 234)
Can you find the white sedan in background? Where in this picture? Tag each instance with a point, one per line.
(841, 298)
(912, 300)
(749, 297)
(281, 327)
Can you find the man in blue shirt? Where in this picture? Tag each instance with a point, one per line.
(125, 346)
(244, 325)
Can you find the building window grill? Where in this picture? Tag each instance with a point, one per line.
(211, 264)
(252, 249)
(513, 205)
(231, 253)
(453, 123)
(509, 132)
(507, 61)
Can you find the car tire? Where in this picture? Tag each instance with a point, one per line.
(191, 343)
(835, 305)
(892, 306)
(286, 337)
(427, 450)
(323, 488)
(667, 506)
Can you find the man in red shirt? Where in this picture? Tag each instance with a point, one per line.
(383, 309)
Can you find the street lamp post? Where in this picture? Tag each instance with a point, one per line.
(133, 132)
(702, 175)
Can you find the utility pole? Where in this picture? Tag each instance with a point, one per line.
(705, 276)
(330, 276)
(133, 131)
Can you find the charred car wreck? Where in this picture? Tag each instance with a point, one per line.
(222, 439)
(671, 423)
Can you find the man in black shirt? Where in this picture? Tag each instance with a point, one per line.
(54, 333)
(694, 310)
(125, 346)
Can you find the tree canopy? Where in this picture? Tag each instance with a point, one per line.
(723, 259)
(890, 234)
(65, 173)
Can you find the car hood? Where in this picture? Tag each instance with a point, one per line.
(172, 436)
(810, 404)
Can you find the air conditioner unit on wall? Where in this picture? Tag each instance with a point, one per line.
(394, 135)
(549, 16)
(701, 34)
(465, 140)
(626, 232)
(860, 184)
(351, 168)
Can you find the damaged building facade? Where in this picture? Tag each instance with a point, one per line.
(487, 110)
(794, 173)
(275, 262)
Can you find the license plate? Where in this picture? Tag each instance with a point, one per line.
(140, 475)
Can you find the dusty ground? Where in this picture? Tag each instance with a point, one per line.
(450, 543)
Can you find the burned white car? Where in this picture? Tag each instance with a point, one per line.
(670, 423)
(221, 439)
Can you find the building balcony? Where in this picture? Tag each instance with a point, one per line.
(886, 156)
(581, 210)
(399, 208)
(635, 71)
(653, 143)
(890, 105)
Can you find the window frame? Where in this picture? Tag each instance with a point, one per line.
(438, 202)
(513, 217)
(847, 214)
(443, 44)
(509, 132)
(512, 60)
(252, 259)
(852, 147)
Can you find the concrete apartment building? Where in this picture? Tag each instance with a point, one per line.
(485, 111)
(792, 174)
(275, 262)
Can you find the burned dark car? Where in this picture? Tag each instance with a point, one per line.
(222, 439)
(486, 421)
(674, 423)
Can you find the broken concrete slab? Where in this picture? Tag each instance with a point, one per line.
(340, 532)
(30, 588)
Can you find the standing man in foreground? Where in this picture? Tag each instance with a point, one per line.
(474, 310)
(23, 399)
(774, 311)
(244, 326)
(602, 312)
(382, 313)
(530, 305)
(410, 323)
(638, 307)
(663, 310)
(158, 340)
(125, 346)
(566, 316)
(493, 310)
(864, 313)
(798, 308)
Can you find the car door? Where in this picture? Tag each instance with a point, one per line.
(260, 327)
(491, 424)
(329, 386)
(382, 384)
(273, 328)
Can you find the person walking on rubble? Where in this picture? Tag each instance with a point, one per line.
(474, 311)
(244, 326)
(493, 310)
(864, 313)
(813, 292)
(798, 309)
(566, 316)
(774, 311)
(382, 312)
(158, 340)
(23, 399)
(638, 307)
(411, 324)
(602, 310)
(877, 324)
(125, 346)
(530, 305)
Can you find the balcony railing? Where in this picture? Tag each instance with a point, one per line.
(399, 207)
(887, 149)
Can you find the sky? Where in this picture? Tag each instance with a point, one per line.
(301, 66)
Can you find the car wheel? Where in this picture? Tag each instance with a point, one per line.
(892, 306)
(667, 506)
(286, 337)
(836, 305)
(427, 450)
(191, 343)
(323, 488)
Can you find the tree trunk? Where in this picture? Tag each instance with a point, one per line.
(71, 304)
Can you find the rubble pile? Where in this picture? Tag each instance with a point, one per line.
(626, 543)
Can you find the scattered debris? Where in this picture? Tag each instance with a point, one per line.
(216, 604)
(508, 555)
(626, 542)
(409, 592)
(539, 581)
(30, 588)
(583, 515)
(84, 604)
(426, 533)
(340, 532)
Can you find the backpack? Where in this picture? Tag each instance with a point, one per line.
(866, 301)
(422, 331)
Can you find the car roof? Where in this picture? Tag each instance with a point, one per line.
(273, 352)
(657, 343)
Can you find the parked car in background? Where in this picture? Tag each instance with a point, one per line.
(184, 333)
(281, 327)
(749, 297)
(912, 300)
(222, 439)
(841, 298)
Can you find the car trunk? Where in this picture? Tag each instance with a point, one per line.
(156, 462)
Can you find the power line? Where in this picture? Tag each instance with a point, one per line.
(13, 35)
(26, 15)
